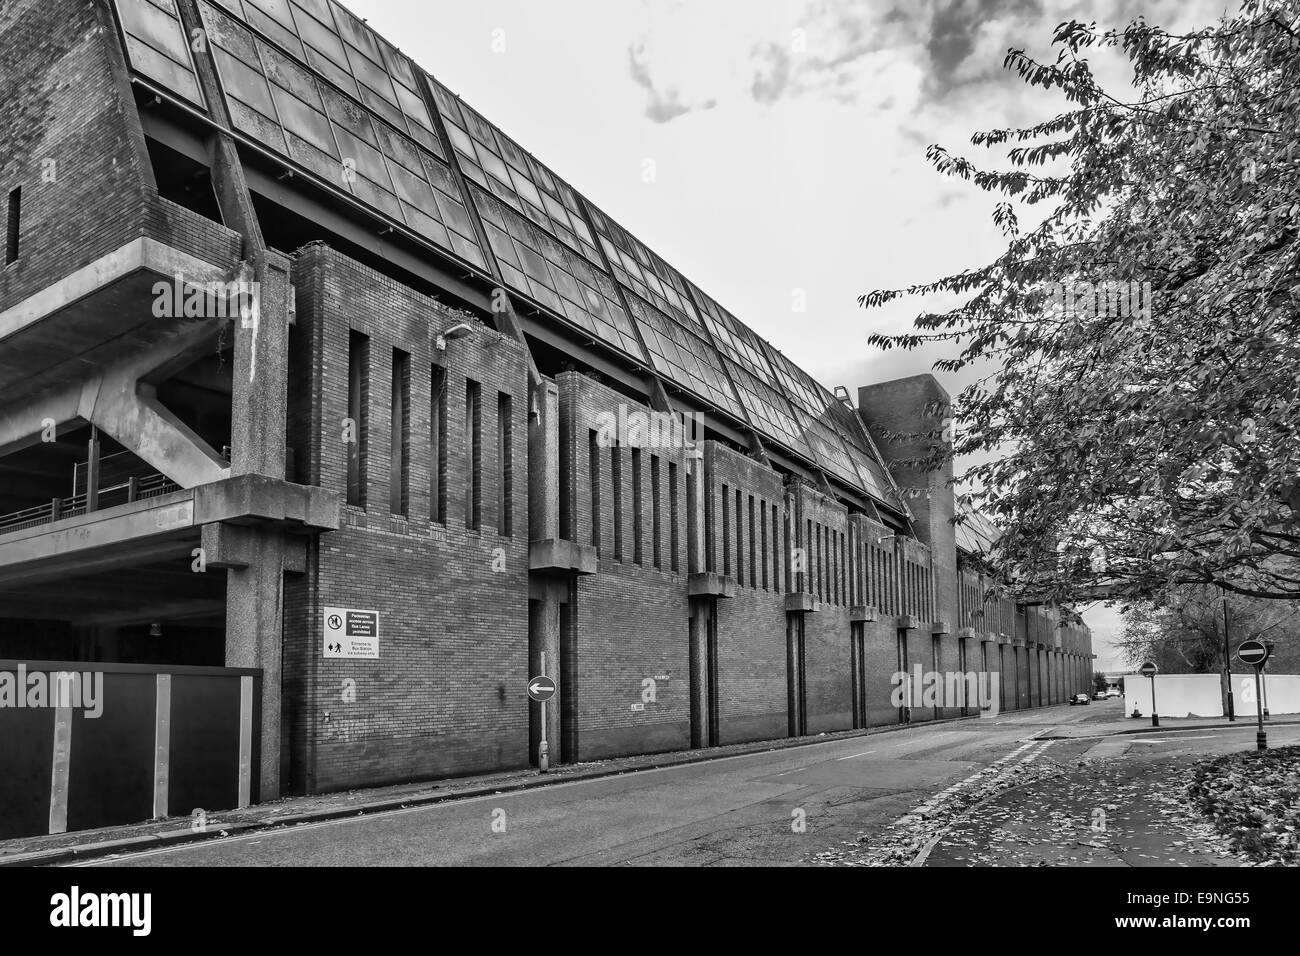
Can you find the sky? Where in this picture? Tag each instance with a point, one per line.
(774, 151)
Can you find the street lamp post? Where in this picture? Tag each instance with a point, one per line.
(1227, 662)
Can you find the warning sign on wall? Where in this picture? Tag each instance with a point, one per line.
(351, 633)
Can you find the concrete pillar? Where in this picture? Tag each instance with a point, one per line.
(699, 665)
(544, 463)
(259, 403)
(1035, 677)
(254, 558)
(696, 558)
(549, 592)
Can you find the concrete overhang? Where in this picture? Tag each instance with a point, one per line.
(908, 622)
(101, 313)
(940, 627)
(167, 525)
(801, 602)
(558, 556)
(258, 499)
(863, 612)
(149, 529)
(711, 584)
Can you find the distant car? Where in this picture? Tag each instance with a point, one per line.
(1078, 699)
(1100, 695)
(1112, 692)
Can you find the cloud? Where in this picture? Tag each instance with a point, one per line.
(773, 73)
(826, 53)
(665, 104)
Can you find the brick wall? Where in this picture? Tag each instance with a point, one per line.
(447, 694)
(69, 140)
(828, 684)
(631, 619)
(752, 673)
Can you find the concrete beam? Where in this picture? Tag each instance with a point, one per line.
(85, 543)
(136, 255)
(802, 602)
(709, 584)
(121, 405)
(257, 499)
(561, 557)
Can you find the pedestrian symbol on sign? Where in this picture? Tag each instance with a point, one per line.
(351, 633)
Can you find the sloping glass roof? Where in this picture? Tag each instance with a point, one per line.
(976, 535)
(355, 118)
(158, 48)
(311, 82)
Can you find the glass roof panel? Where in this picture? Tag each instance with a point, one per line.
(496, 162)
(555, 276)
(351, 137)
(684, 357)
(158, 48)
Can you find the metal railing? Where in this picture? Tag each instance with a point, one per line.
(133, 489)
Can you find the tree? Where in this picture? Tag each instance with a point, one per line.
(1139, 348)
(1099, 682)
(1185, 635)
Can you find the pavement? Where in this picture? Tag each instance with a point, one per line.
(948, 793)
(1122, 804)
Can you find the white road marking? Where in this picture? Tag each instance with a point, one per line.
(851, 756)
(1176, 739)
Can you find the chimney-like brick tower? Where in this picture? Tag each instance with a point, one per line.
(918, 405)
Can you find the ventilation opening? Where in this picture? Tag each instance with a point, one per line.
(11, 219)
(183, 181)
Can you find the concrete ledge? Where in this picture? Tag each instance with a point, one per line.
(558, 556)
(138, 254)
(802, 602)
(908, 621)
(863, 612)
(940, 627)
(249, 499)
(967, 633)
(711, 584)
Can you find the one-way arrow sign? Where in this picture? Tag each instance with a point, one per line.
(1252, 652)
(541, 688)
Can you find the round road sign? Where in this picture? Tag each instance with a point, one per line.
(541, 688)
(1252, 652)
(1148, 669)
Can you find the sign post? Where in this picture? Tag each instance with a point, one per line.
(1263, 675)
(1148, 669)
(1256, 655)
(542, 689)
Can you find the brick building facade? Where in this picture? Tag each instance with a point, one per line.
(466, 399)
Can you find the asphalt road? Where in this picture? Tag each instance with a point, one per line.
(770, 808)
